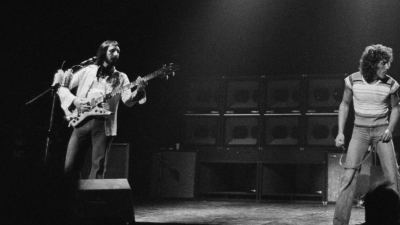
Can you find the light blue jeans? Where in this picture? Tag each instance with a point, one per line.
(361, 139)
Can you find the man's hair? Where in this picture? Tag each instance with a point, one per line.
(101, 55)
(382, 205)
(102, 51)
(370, 59)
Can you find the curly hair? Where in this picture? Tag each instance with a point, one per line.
(370, 59)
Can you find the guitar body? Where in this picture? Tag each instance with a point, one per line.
(75, 118)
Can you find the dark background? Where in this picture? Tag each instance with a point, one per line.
(207, 38)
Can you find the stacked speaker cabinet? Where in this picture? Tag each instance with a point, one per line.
(267, 117)
(283, 106)
(242, 106)
(323, 97)
(230, 171)
(287, 172)
(324, 94)
(202, 113)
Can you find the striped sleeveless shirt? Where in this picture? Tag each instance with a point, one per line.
(371, 101)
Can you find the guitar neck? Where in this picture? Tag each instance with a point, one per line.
(133, 84)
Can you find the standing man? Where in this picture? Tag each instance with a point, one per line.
(91, 82)
(373, 93)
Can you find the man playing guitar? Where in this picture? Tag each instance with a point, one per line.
(98, 128)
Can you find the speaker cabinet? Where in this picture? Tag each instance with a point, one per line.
(202, 130)
(335, 172)
(282, 130)
(322, 130)
(203, 95)
(284, 95)
(325, 92)
(222, 180)
(242, 130)
(294, 181)
(292, 175)
(243, 95)
(103, 199)
(117, 163)
(173, 174)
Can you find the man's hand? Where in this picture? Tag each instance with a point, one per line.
(386, 136)
(142, 83)
(339, 141)
(82, 104)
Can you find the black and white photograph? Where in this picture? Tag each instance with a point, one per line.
(259, 112)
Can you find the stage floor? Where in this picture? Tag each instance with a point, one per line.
(229, 212)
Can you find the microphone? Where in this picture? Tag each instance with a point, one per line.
(91, 60)
(57, 80)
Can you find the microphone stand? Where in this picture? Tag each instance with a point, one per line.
(53, 90)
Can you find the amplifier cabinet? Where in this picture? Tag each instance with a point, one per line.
(173, 174)
(335, 172)
(325, 92)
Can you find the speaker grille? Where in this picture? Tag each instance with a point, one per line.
(282, 130)
(324, 93)
(322, 130)
(241, 131)
(243, 94)
(201, 130)
(283, 96)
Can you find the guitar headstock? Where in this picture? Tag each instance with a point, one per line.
(166, 71)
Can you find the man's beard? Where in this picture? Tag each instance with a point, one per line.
(112, 61)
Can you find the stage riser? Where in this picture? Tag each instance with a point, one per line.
(260, 175)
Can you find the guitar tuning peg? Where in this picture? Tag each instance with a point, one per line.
(171, 64)
(167, 77)
(173, 73)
